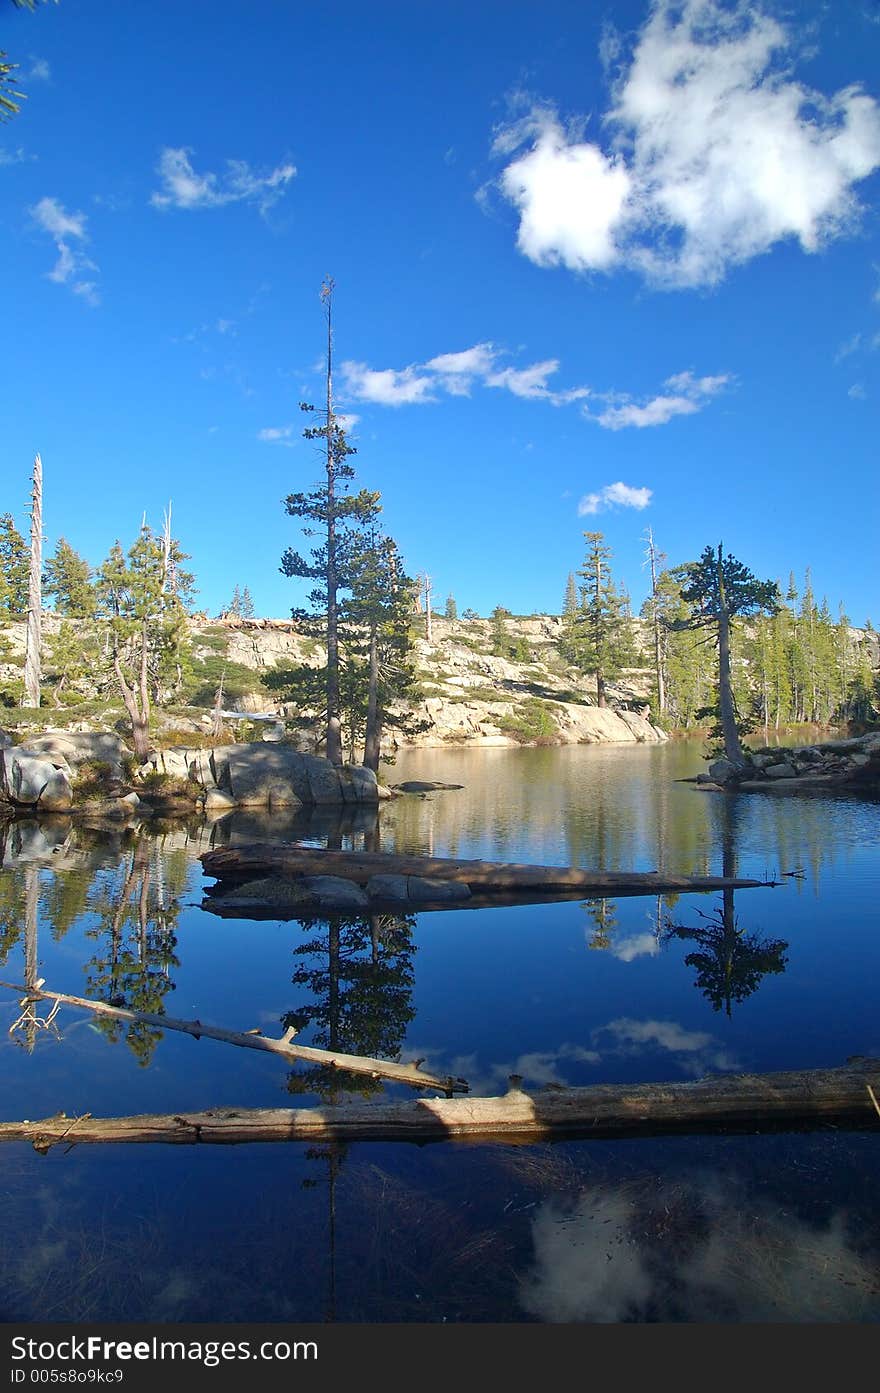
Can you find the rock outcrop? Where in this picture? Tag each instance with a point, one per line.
(854, 763)
(64, 771)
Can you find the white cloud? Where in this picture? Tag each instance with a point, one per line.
(669, 1035)
(73, 265)
(54, 218)
(851, 346)
(347, 420)
(656, 412)
(39, 71)
(695, 1051)
(458, 370)
(686, 395)
(387, 386)
(635, 945)
(276, 435)
(17, 156)
(456, 374)
(88, 290)
(857, 392)
(570, 197)
(617, 495)
(715, 155)
(532, 382)
(183, 188)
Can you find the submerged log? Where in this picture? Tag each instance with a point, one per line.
(793, 1101)
(253, 1040)
(234, 865)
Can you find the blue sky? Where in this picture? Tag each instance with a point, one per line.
(597, 266)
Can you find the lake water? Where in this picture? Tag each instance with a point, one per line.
(780, 1227)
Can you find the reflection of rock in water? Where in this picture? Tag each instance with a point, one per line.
(696, 1251)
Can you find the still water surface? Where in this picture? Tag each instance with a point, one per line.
(762, 1227)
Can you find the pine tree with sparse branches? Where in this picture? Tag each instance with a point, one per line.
(334, 515)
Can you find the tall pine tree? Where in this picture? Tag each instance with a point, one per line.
(334, 514)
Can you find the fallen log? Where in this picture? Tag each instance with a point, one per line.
(233, 865)
(356, 1063)
(793, 1101)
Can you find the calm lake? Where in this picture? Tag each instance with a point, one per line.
(763, 1227)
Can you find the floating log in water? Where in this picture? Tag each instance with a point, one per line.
(793, 1101)
(356, 1063)
(234, 865)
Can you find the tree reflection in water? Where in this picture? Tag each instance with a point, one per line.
(730, 963)
(136, 942)
(359, 973)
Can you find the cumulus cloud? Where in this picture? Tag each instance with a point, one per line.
(458, 370)
(569, 195)
(387, 386)
(73, 266)
(684, 395)
(635, 945)
(715, 154)
(183, 188)
(617, 495)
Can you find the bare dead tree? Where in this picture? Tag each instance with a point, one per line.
(659, 636)
(32, 663)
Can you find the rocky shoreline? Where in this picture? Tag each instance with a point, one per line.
(91, 772)
(849, 763)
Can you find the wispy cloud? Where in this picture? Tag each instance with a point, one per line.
(39, 71)
(183, 188)
(277, 435)
(617, 495)
(847, 349)
(68, 232)
(684, 395)
(17, 156)
(457, 374)
(694, 1050)
(715, 154)
(857, 392)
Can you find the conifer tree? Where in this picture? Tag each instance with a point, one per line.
(68, 578)
(719, 588)
(570, 603)
(451, 608)
(14, 566)
(501, 641)
(147, 624)
(334, 514)
(377, 615)
(598, 639)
